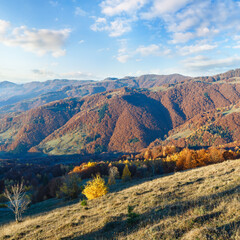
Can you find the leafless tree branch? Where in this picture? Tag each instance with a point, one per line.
(18, 202)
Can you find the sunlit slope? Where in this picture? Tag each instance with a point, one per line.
(194, 204)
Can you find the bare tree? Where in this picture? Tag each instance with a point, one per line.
(113, 173)
(18, 201)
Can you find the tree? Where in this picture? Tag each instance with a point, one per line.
(126, 176)
(113, 173)
(18, 202)
(95, 188)
(70, 188)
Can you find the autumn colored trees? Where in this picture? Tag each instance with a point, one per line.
(95, 188)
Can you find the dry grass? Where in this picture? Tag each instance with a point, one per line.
(203, 203)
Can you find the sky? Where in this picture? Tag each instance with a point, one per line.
(96, 39)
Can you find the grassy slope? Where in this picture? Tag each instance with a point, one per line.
(194, 204)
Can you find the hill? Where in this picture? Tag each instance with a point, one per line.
(189, 113)
(123, 121)
(20, 132)
(22, 97)
(197, 204)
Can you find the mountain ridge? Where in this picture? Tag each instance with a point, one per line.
(35, 94)
(128, 119)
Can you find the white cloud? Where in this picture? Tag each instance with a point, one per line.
(200, 63)
(4, 25)
(80, 12)
(182, 25)
(115, 28)
(186, 50)
(123, 58)
(43, 72)
(117, 7)
(58, 53)
(161, 7)
(38, 41)
(99, 25)
(123, 54)
(183, 20)
(119, 27)
(148, 50)
(81, 42)
(180, 37)
(151, 50)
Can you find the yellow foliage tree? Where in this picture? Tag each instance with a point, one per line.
(95, 188)
(126, 174)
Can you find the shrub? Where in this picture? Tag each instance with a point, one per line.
(95, 188)
(126, 176)
(70, 188)
(132, 216)
(84, 202)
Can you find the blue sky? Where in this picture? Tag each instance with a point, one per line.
(95, 39)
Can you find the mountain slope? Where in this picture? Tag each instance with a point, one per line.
(197, 204)
(28, 129)
(216, 127)
(122, 121)
(126, 120)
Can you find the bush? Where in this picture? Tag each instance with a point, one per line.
(70, 188)
(126, 176)
(84, 202)
(132, 216)
(95, 188)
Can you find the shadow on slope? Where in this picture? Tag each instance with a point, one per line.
(156, 109)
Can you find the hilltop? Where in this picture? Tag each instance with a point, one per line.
(194, 204)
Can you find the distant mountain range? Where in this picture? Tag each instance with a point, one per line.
(120, 115)
(22, 97)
